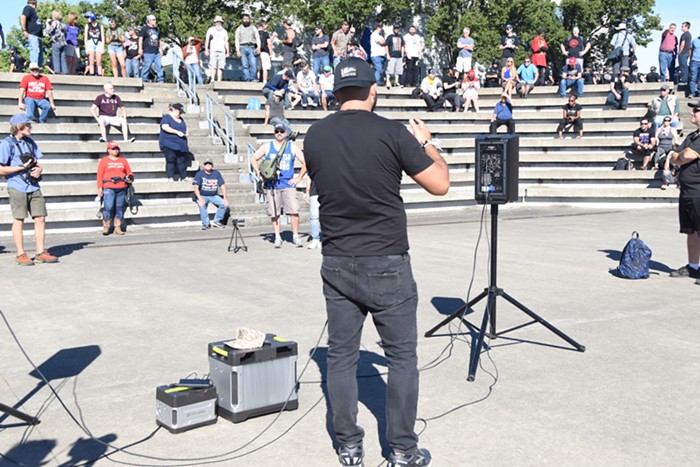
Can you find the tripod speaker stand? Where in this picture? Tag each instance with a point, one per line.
(236, 236)
(17, 414)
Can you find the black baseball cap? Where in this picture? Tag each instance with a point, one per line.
(353, 72)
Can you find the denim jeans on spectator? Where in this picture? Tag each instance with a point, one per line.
(36, 54)
(113, 202)
(319, 63)
(624, 61)
(58, 57)
(378, 63)
(683, 65)
(565, 84)
(133, 68)
(625, 93)
(148, 61)
(175, 159)
(665, 65)
(694, 86)
(337, 60)
(42, 104)
(194, 71)
(217, 201)
(314, 217)
(305, 98)
(383, 286)
(248, 63)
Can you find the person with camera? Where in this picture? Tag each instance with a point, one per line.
(280, 188)
(19, 156)
(113, 178)
(206, 185)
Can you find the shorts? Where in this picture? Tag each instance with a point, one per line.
(689, 215)
(217, 59)
(92, 47)
(265, 62)
(112, 121)
(72, 50)
(395, 66)
(463, 64)
(115, 49)
(285, 198)
(22, 204)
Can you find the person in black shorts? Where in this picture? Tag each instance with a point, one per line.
(688, 158)
(355, 159)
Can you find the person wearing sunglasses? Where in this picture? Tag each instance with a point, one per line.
(644, 143)
(571, 117)
(688, 159)
(668, 139)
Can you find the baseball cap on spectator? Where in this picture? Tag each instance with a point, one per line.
(178, 106)
(91, 15)
(18, 119)
(150, 17)
(353, 72)
(279, 126)
(653, 68)
(693, 104)
(432, 71)
(112, 145)
(471, 73)
(218, 19)
(509, 26)
(288, 22)
(664, 87)
(621, 26)
(207, 161)
(327, 68)
(572, 61)
(34, 66)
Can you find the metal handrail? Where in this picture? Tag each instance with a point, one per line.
(226, 133)
(252, 177)
(189, 88)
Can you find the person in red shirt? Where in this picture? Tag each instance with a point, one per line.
(35, 90)
(113, 176)
(539, 55)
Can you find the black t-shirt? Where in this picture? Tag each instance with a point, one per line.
(688, 38)
(572, 111)
(264, 36)
(653, 77)
(151, 40)
(394, 42)
(34, 25)
(689, 174)
(574, 45)
(18, 61)
(447, 79)
(132, 50)
(619, 83)
(588, 77)
(491, 79)
(356, 159)
(509, 40)
(643, 135)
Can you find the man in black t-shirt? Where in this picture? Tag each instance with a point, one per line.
(33, 30)
(688, 158)
(491, 80)
(356, 160)
(653, 76)
(571, 116)
(508, 45)
(684, 52)
(151, 49)
(643, 143)
(619, 89)
(575, 46)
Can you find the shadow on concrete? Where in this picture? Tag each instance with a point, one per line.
(448, 305)
(86, 451)
(371, 392)
(64, 250)
(30, 453)
(615, 255)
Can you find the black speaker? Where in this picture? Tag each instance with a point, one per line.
(496, 168)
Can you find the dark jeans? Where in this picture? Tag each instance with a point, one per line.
(383, 286)
(683, 65)
(619, 104)
(455, 100)
(498, 122)
(411, 72)
(576, 124)
(433, 104)
(175, 159)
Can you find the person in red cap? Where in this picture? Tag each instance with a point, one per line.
(571, 75)
(113, 176)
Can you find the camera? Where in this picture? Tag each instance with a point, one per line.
(293, 136)
(32, 163)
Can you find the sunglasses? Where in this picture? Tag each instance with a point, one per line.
(113, 149)
(696, 110)
(280, 131)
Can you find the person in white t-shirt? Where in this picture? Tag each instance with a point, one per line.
(307, 86)
(413, 46)
(377, 52)
(217, 48)
(325, 83)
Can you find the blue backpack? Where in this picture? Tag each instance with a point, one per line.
(634, 263)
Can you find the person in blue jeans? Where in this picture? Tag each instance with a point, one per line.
(206, 185)
(151, 49)
(619, 89)
(694, 86)
(33, 30)
(571, 75)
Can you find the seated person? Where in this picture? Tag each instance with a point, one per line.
(667, 140)
(325, 84)
(619, 89)
(502, 115)
(509, 77)
(431, 91)
(36, 91)
(644, 143)
(293, 95)
(105, 108)
(653, 76)
(665, 105)
(470, 91)
(588, 76)
(571, 117)
(206, 186)
(280, 81)
(492, 77)
(451, 89)
(527, 77)
(306, 85)
(571, 75)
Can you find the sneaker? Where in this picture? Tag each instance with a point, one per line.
(206, 227)
(102, 140)
(186, 179)
(24, 260)
(278, 242)
(419, 458)
(664, 186)
(351, 455)
(297, 242)
(315, 243)
(217, 225)
(45, 257)
(686, 271)
(170, 180)
(132, 139)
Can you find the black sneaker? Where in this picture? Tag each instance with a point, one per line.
(351, 455)
(686, 271)
(420, 458)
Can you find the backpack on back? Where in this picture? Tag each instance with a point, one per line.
(634, 263)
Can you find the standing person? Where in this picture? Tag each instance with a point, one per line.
(281, 193)
(56, 30)
(36, 91)
(694, 85)
(264, 63)
(688, 158)
(191, 55)
(340, 40)
(539, 55)
(465, 44)
(289, 52)
(509, 45)
(2, 37)
(206, 185)
(625, 40)
(94, 35)
(105, 108)
(217, 48)
(502, 115)
(575, 46)
(394, 54)
(72, 44)
(33, 30)
(133, 57)
(247, 41)
(173, 142)
(667, 53)
(377, 52)
(113, 177)
(319, 49)
(19, 156)
(151, 49)
(684, 52)
(571, 116)
(115, 47)
(413, 51)
(366, 266)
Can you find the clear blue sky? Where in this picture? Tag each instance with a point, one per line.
(11, 9)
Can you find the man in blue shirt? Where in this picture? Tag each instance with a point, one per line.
(19, 157)
(527, 77)
(502, 115)
(206, 185)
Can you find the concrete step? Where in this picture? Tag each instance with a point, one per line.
(87, 84)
